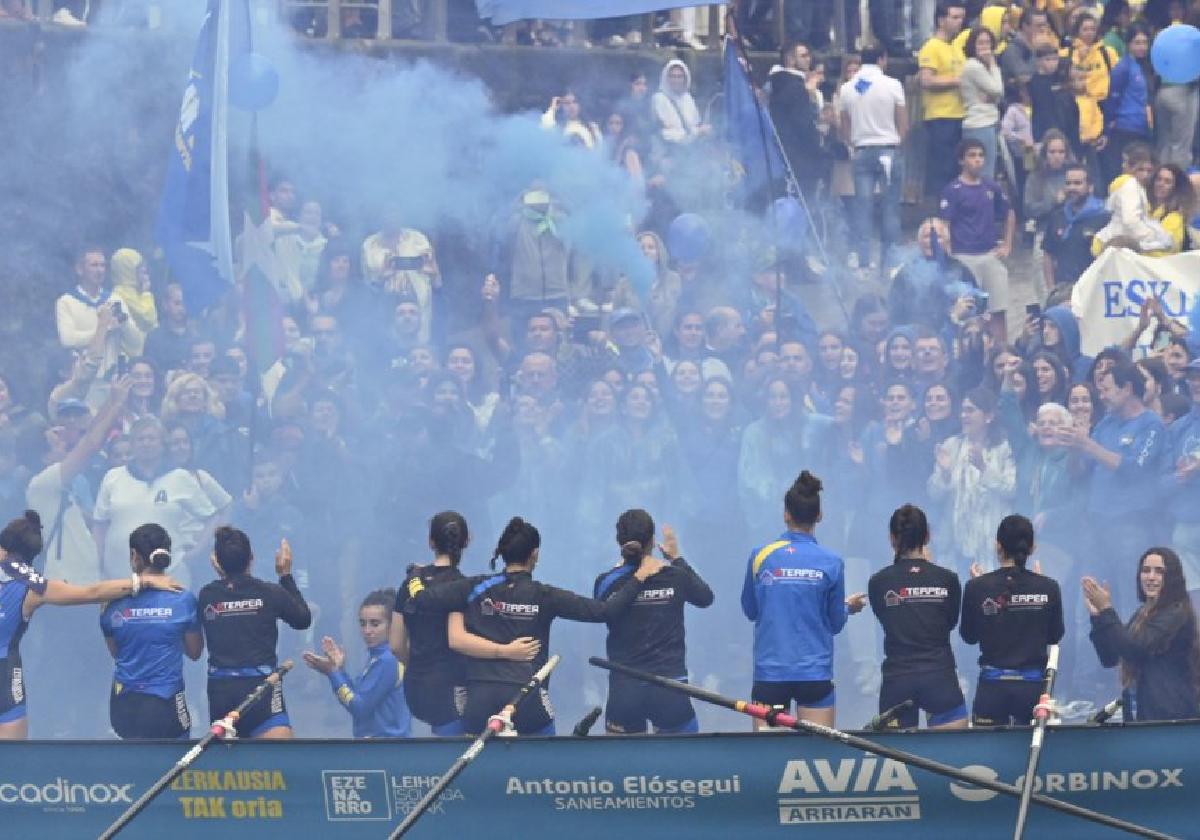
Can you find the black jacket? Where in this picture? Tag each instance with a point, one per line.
(239, 615)
(509, 605)
(795, 119)
(1012, 614)
(650, 634)
(1160, 652)
(917, 603)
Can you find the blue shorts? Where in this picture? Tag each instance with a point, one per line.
(14, 714)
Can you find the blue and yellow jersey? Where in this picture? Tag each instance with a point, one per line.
(795, 593)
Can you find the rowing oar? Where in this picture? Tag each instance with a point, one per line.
(222, 728)
(775, 717)
(1041, 712)
(495, 725)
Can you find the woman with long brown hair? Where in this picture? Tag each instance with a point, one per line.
(1158, 650)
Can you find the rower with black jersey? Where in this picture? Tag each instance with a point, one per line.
(503, 609)
(917, 603)
(650, 635)
(1013, 614)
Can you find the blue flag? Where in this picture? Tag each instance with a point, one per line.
(500, 12)
(749, 129)
(193, 219)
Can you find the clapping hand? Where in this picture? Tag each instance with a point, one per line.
(332, 660)
(1096, 596)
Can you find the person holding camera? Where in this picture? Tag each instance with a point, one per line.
(932, 288)
(90, 308)
(401, 261)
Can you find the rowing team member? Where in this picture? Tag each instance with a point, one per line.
(917, 602)
(1013, 614)
(239, 613)
(148, 634)
(22, 591)
(650, 634)
(501, 608)
(795, 593)
(375, 700)
(433, 645)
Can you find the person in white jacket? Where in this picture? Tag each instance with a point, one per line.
(675, 111)
(77, 313)
(1131, 225)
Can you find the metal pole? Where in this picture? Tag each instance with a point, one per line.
(219, 729)
(496, 724)
(1041, 712)
(333, 20)
(777, 718)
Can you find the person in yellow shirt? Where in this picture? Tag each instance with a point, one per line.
(1095, 59)
(941, 65)
(1171, 203)
(1091, 119)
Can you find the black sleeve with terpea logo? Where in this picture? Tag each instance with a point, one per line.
(508, 606)
(917, 604)
(1013, 614)
(239, 615)
(650, 634)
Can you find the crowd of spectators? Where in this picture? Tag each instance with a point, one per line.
(548, 388)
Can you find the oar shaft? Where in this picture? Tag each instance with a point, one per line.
(776, 718)
(1041, 715)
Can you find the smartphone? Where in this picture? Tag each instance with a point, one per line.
(1033, 310)
(122, 365)
(406, 263)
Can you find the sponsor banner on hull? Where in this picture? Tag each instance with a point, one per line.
(720, 786)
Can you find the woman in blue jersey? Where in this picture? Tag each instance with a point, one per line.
(148, 634)
(23, 590)
(795, 593)
(375, 700)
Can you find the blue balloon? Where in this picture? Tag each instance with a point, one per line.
(688, 237)
(253, 82)
(791, 223)
(1175, 54)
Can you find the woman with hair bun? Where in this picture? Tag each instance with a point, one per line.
(650, 637)
(1158, 650)
(917, 603)
(795, 593)
(1012, 614)
(240, 615)
(148, 634)
(511, 606)
(23, 590)
(435, 682)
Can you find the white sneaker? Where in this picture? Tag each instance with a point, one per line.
(63, 17)
(616, 41)
(694, 43)
(634, 38)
